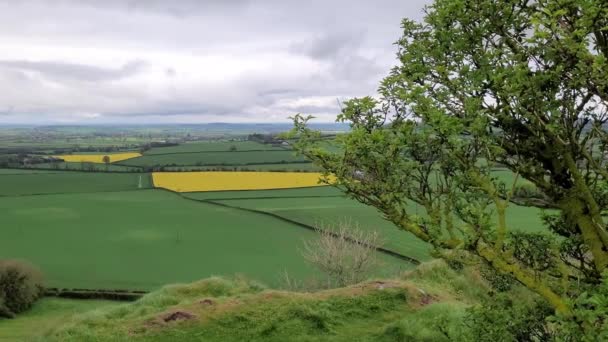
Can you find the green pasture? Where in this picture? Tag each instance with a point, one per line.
(24, 171)
(212, 146)
(80, 166)
(297, 166)
(70, 182)
(61, 143)
(45, 317)
(328, 211)
(144, 239)
(215, 158)
(316, 191)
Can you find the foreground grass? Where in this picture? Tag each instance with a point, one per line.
(427, 304)
(46, 316)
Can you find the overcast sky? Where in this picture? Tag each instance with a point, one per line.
(191, 61)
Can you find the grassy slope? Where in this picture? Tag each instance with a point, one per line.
(46, 315)
(406, 309)
(215, 158)
(144, 239)
(69, 182)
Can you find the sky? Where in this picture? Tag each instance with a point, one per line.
(192, 61)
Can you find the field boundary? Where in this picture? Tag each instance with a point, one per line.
(222, 151)
(119, 295)
(141, 169)
(392, 253)
(213, 164)
(264, 197)
(76, 193)
(303, 225)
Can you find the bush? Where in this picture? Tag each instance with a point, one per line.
(503, 318)
(20, 286)
(590, 312)
(346, 254)
(528, 191)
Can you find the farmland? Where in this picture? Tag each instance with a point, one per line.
(215, 158)
(112, 231)
(97, 158)
(32, 183)
(177, 214)
(87, 166)
(220, 181)
(222, 220)
(144, 239)
(211, 146)
(296, 166)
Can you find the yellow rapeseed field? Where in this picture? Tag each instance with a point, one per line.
(97, 158)
(219, 181)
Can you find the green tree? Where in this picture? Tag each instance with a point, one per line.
(518, 83)
(106, 160)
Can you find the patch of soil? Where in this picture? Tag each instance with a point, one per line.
(206, 302)
(426, 300)
(381, 285)
(178, 316)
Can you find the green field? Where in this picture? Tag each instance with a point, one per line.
(212, 146)
(45, 317)
(79, 166)
(330, 211)
(144, 239)
(215, 158)
(306, 167)
(316, 191)
(326, 206)
(24, 171)
(70, 182)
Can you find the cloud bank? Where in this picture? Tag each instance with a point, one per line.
(190, 61)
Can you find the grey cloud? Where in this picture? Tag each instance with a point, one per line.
(176, 109)
(329, 45)
(80, 72)
(242, 58)
(172, 7)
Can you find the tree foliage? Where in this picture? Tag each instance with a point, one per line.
(518, 83)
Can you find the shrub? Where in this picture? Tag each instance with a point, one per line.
(503, 318)
(590, 312)
(527, 191)
(345, 254)
(20, 286)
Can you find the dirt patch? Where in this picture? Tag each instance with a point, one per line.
(206, 302)
(426, 300)
(381, 285)
(178, 316)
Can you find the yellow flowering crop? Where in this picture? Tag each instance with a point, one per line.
(98, 158)
(219, 181)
